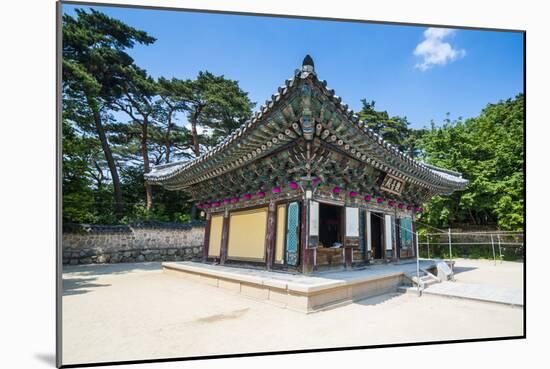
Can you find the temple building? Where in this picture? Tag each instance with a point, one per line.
(306, 186)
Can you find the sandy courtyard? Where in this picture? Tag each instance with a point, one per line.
(134, 311)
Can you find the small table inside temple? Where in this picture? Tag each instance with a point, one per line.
(329, 255)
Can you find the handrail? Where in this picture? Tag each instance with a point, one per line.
(490, 240)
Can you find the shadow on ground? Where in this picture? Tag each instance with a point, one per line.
(218, 317)
(459, 269)
(78, 286)
(103, 269)
(79, 279)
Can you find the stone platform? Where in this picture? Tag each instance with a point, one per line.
(471, 291)
(303, 293)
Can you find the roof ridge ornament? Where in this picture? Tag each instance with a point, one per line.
(308, 65)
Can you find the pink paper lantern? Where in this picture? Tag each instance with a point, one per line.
(368, 197)
(199, 205)
(235, 199)
(226, 201)
(336, 190)
(316, 181)
(380, 200)
(217, 204)
(276, 189)
(409, 207)
(207, 205)
(261, 194)
(418, 209)
(353, 193)
(293, 185)
(391, 202)
(401, 206)
(247, 196)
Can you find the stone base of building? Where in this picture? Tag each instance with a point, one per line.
(299, 292)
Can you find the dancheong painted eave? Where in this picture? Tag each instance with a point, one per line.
(277, 125)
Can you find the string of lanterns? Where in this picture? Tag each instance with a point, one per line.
(294, 185)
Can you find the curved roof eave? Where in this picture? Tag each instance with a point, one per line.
(160, 174)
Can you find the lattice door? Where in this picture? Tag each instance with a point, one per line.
(406, 235)
(292, 233)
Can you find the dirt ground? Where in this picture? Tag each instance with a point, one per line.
(507, 274)
(134, 311)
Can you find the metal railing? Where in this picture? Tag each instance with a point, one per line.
(447, 239)
(493, 240)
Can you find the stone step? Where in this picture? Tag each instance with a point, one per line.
(409, 289)
(425, 279)
(430, 282)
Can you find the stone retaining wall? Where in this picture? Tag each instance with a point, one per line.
(137, 242)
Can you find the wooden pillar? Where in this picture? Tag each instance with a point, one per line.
(303, 237)
(414, 234)
(270, 234)
(313, 232)
(397, 241)
(382, 236)
(388, 252)
(362, 226)
(225, 238)
(206, 237)
(368, 236)
(306, 253)
(348, 256)
(351, 234)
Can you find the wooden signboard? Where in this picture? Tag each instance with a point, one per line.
(392, 184)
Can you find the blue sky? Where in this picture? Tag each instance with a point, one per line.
(409, 71)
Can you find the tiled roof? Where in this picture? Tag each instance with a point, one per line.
(160, 174)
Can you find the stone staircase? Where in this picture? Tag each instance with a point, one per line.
(426, 278)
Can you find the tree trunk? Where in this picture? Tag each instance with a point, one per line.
(146, 165)
(472, 218)
(119, 204)
(149, 195)
(99, 177)
(168, 144)
(196, 148)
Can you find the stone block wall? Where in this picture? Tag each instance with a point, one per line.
(137, 242)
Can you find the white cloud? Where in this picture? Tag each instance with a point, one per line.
(435, 51)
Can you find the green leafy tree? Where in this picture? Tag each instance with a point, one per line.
(215, 103)
(78, 197)
(392, 129)
(488, 150)
(105, 157)
(94, 60)
(136, 96)
(170, 206)
(173, 139)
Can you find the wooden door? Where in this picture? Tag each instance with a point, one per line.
(293, 233)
